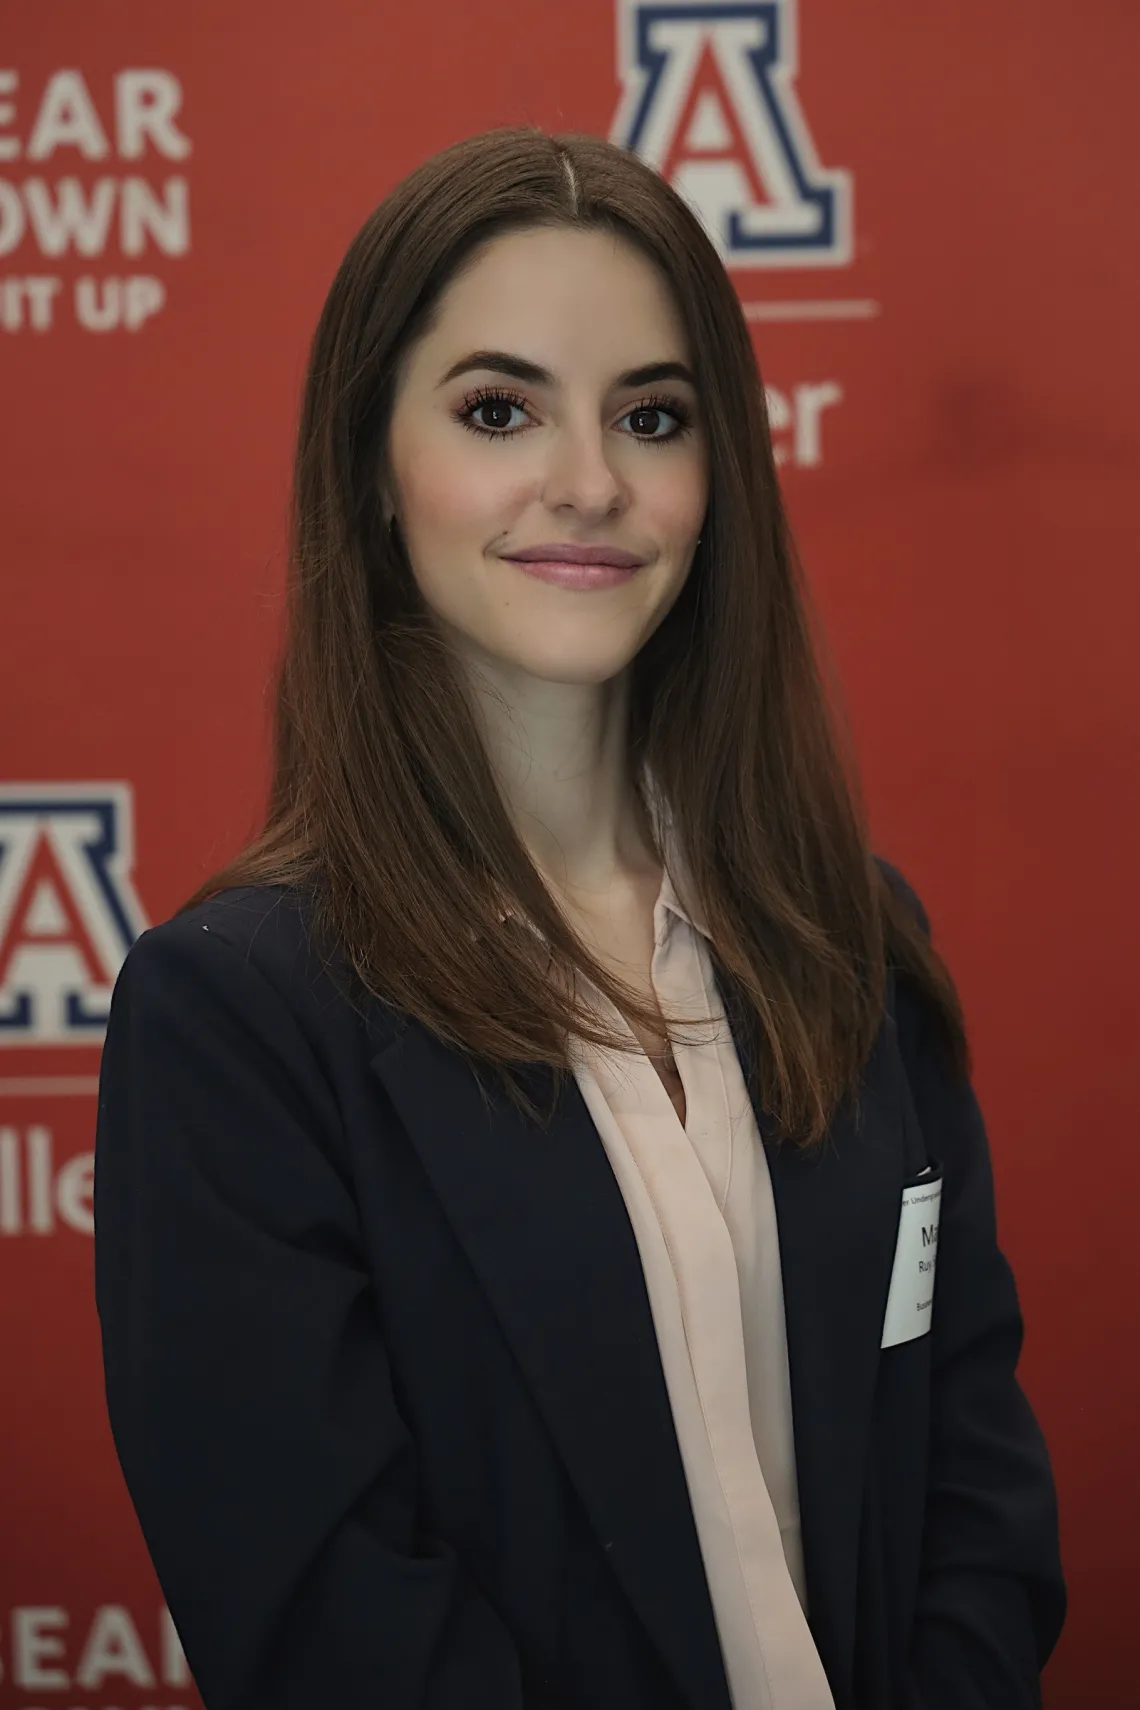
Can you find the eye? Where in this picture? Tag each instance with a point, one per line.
(489, 412)
(658, 420)
(497, 413)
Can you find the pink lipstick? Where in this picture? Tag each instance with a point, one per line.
(571, 566)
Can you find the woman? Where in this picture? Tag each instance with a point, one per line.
(620, 1384)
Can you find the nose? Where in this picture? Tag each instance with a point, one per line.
(580, 475)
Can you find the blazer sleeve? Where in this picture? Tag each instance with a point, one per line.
(991, 1598)
(247, 1384)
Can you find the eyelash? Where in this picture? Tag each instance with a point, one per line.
(502, 395)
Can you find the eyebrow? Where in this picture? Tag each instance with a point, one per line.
(518, 368)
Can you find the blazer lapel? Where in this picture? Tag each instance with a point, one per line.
(837, 1210)
(543, 1223)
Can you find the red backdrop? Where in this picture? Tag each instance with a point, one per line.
(941, 278)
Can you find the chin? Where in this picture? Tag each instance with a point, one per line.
(560, 662)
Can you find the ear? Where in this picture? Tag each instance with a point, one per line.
(384, 490)
(388, 516)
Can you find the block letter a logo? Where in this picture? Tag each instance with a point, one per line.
(68, 908)
(708, 100)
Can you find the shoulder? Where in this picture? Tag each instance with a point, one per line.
(246, 947)
(914, 1013)
(267, 927)
(904, 891)
(270, 926)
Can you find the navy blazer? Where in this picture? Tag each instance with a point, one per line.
(386, 1393)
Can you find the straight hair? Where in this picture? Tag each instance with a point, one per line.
(384, 809)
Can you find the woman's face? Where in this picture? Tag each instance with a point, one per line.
(551, 404)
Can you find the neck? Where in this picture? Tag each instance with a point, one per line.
(559, 751)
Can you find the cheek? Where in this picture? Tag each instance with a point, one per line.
(673, 495)
(448, 491)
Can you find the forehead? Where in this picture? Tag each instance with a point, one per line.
(559, 296)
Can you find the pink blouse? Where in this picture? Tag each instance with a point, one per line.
(700, 1202)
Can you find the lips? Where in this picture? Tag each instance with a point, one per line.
(564, 552)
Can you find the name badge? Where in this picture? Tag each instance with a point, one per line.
(916, 1250)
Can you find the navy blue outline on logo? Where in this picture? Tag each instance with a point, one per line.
(107, 857)
(766, 61)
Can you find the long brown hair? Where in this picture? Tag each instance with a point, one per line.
(384, 808)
